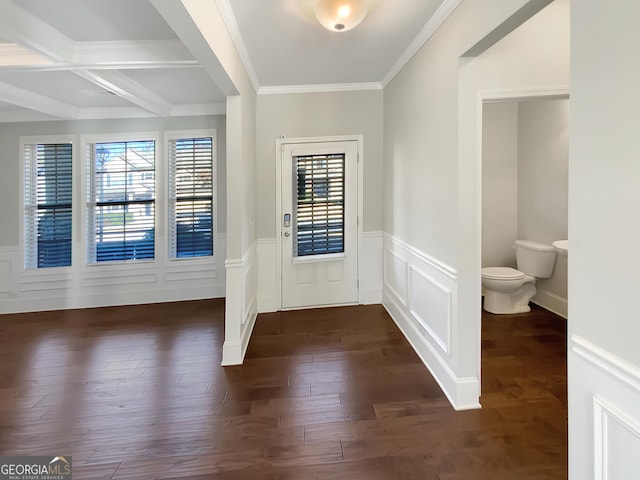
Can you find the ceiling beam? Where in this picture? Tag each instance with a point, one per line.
(139, 54)
(112, 55)
(21, 27)
(35, 101)
(12, 54)
(127, 88)
(179, 19)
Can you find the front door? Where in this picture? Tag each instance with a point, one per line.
(319, 224)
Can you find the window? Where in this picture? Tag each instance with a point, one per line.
(319, 213)
(48, 204)
(191, 197)
(121, 201)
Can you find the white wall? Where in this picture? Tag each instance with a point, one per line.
(543, 188)
(320, 115)
(499, 183)
(81, 286)
(604, 227)
(432, 174)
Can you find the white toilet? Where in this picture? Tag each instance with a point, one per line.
(508, 290)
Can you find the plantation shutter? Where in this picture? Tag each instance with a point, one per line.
(48, 205)
(191, 197)
(121, 220)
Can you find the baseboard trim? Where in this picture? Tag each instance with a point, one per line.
(462, 393)
(114, 299)
(370, 297)
(233, 353)
(552, 302)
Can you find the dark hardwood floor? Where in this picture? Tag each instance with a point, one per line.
(138, 393)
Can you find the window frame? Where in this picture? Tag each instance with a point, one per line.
(24, 142)
(169, 136)
(88, 177)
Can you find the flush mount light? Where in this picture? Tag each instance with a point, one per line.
(340, 15)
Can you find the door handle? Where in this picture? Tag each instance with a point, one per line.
(286, 234)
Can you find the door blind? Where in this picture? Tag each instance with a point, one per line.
(319, 212)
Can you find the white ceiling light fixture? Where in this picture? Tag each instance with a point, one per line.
(340, 15)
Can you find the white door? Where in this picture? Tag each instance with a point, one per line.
(319, 224)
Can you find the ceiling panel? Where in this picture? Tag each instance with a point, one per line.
(4, 107)
(101, 20)
(180, 86)
(63, 86)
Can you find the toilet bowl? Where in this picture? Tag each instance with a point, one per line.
(507, 290)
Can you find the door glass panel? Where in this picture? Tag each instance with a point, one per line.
(319, 209)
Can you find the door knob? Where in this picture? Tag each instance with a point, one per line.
(286, 234)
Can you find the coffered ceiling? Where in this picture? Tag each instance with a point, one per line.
(82, 59)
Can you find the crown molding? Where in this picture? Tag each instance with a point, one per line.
(438, 18)
(24, 115)
(320, 88)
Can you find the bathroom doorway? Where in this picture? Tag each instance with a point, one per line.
(526, 58)
(524, 169)
(525, 165)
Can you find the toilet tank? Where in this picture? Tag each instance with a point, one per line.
(535, 259)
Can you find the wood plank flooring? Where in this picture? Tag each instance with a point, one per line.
(138, 393)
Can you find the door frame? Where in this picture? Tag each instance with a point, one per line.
(280, 142)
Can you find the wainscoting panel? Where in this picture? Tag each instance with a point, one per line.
(5, 275)
(420, 294)
(86, 286)
(267, 275)
(617, 440)
(604, 413)
(103, 278)
(370, 268)
(430, 305)
(241, 306)
(250, 299)
(395, 275)
(9, 258)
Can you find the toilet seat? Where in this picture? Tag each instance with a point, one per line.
(502, 273)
